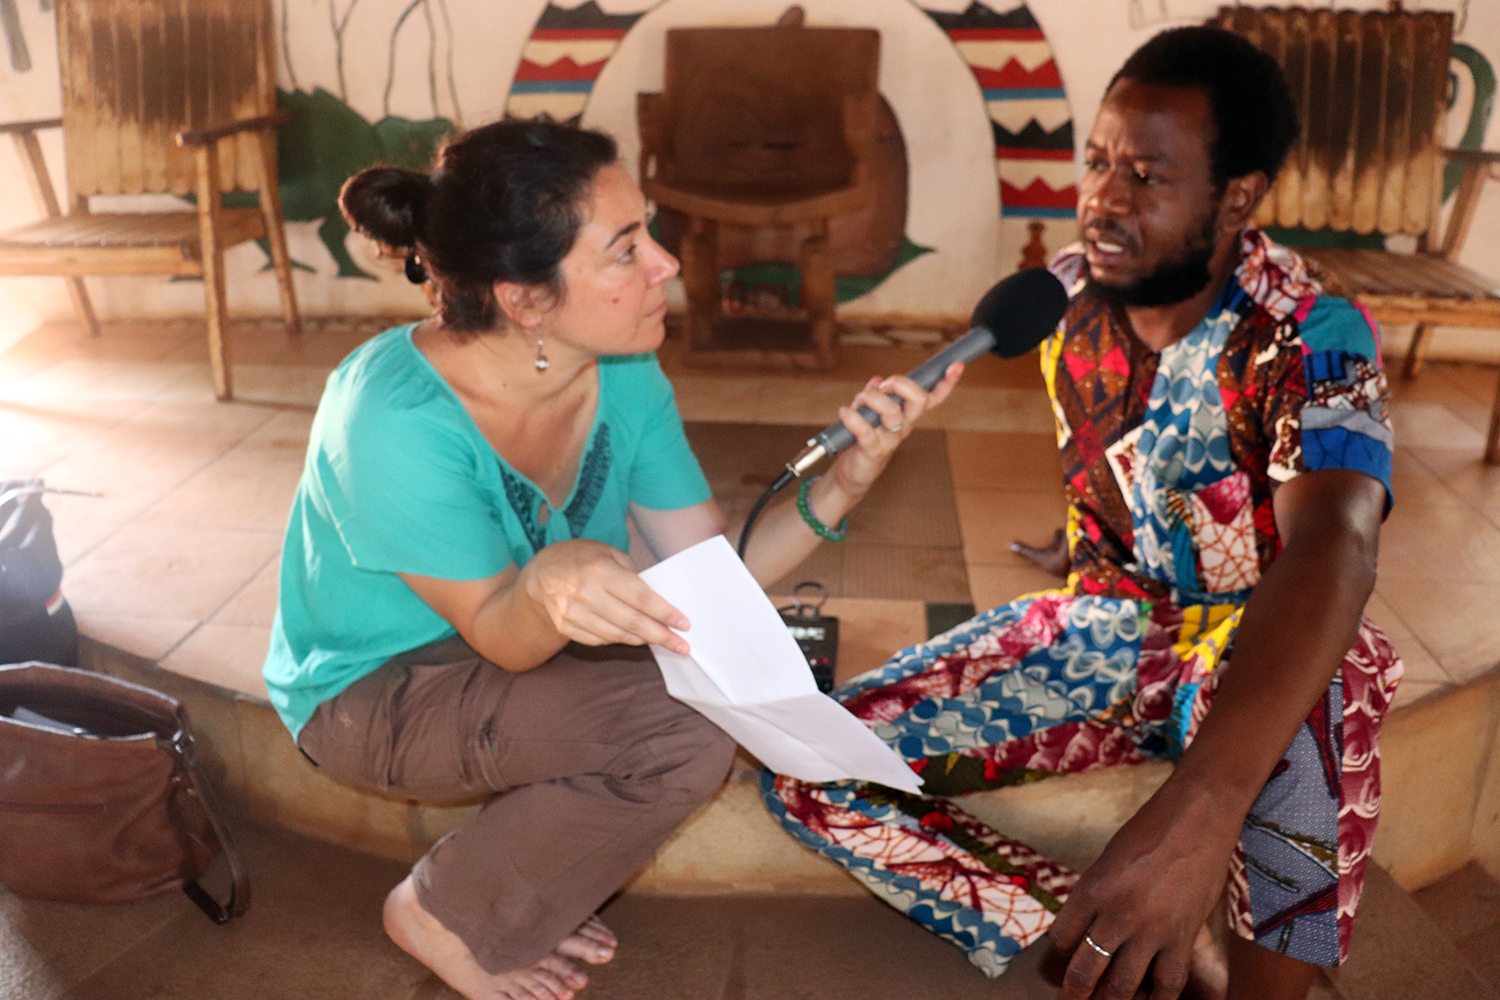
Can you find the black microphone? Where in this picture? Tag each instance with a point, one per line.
(1014, 316)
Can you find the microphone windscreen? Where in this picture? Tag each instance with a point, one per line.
(1021, 310)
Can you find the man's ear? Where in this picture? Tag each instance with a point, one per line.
(523, 306)
(1242, 196)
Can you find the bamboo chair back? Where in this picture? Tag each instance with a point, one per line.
(137, 72)
(1371, 91)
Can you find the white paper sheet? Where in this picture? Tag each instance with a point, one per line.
(746, 674)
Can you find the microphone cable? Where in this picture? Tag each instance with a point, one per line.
(1015, 315)
(786, 476)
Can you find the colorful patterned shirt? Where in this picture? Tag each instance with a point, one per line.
(1170, 459)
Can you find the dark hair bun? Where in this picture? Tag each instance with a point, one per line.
(387, 204)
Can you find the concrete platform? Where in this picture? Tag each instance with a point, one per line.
(1441, 805)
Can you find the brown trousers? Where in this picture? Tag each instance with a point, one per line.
(590, 765)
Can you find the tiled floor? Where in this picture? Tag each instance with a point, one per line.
(311, 935)
(176, 560)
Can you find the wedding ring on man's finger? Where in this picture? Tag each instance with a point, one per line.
(1091, 943)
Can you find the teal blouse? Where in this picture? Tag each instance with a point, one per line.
(398, 479)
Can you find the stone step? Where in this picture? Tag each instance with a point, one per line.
(314, 932)
(1399, 952)
(1441, 806)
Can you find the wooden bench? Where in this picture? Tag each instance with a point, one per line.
(1371, 90)
(159, 97)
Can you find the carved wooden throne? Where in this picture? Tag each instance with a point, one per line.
(761, 127)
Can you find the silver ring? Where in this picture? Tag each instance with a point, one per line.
(1090, 942)
(897, 429)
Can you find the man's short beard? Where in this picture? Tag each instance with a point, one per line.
(1176, 280)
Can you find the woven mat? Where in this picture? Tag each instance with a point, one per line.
(904, 541)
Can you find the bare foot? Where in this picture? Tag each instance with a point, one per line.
(1054, 558)
(419, 934)
(592, 942)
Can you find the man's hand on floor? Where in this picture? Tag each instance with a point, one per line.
(1146, 898)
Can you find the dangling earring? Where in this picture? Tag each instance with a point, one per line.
(415, 272)
(541, 359)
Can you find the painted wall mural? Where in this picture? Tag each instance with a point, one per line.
(1006, 52)
(988, 95)
(324, 144)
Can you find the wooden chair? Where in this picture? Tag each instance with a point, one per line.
(761, 127)
(1371, 89)
(158, 97)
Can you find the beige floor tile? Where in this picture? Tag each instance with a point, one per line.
(230, 656)
(870, 630)
(1003, 409)
(1409, 691)
(250, 489)
(985, 460)
(1416, 484)
(1015, 373)
(245, 343)
(167, 571)
(1439, 543)
(1465, 474)
(100, 380)
(1434, 425)
(325, 347)
(911, 574)
(788, 400)
(37, 434)
(76, 537)
(287, 430)
(129, 474)
(718, 398)
(1456, 622)
(1478, 380)
(223, 423)
(991, 520)
(255, 605)
(993, 586)
(261, 384)
(1419, 664)
(1438, 384)
(148, 638)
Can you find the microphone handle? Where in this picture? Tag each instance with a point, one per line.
(836, 437)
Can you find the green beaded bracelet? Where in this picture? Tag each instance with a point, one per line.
(824, 531)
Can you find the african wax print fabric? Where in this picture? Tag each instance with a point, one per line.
(1056, 683)
(1169, 462)
(1170, 459)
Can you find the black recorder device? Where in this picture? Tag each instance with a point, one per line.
(815, 633)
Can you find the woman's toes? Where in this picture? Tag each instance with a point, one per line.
(595, 928)
(570, 976)
(586, 947)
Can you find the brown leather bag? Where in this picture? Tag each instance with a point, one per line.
(101, 796)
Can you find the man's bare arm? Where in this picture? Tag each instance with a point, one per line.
(1158, 878)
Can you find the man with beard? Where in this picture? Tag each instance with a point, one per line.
(1226, 458)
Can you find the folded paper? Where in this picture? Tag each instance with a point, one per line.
(746, 674)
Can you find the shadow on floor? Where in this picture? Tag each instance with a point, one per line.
(314, 933)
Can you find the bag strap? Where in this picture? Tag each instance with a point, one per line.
(182, 748)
